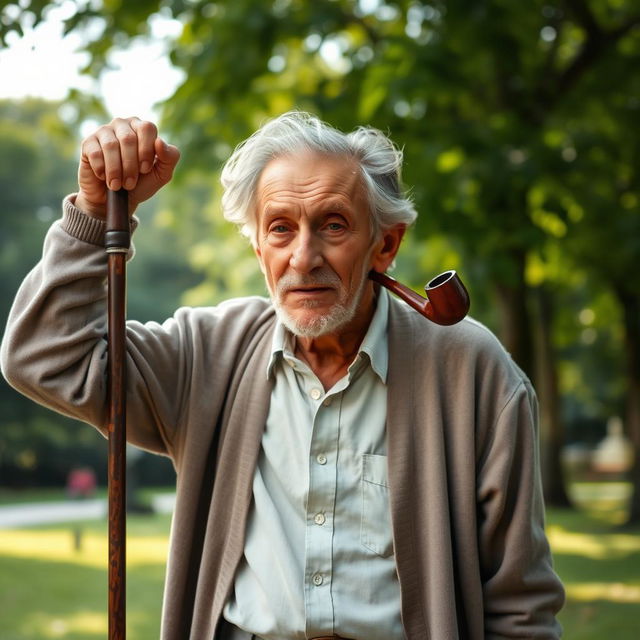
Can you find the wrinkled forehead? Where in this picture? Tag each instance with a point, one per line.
(312, 175)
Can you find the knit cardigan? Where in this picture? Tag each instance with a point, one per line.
(465, 493)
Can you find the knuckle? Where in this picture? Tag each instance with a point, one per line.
(105, 129)
(111, 144)
(148, 128)
(94, 155)
(88, 145)
(128, 137)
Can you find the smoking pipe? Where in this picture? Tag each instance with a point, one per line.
(447, 299)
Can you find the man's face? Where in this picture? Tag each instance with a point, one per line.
(314, 242)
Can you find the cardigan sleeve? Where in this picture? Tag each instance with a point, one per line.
(55, 350)
(522, 594)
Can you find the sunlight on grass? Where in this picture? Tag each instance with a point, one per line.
(57, 545)
(85, 624)
(599, 565)
(53, 591)
(614, 591)
(601, 546)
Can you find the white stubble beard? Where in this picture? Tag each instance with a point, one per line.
(340, 314)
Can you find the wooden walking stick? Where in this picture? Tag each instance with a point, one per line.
(117, 240)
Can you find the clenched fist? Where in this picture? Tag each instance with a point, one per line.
(124, 153)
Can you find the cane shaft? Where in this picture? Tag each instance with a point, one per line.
(117, 245)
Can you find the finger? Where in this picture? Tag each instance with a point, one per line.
(110, 147)
(147, 133)
(128, 141)
(92, 159)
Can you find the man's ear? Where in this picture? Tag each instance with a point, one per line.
(386, 247)
(256, 250)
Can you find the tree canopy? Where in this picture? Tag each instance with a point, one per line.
(517, 122)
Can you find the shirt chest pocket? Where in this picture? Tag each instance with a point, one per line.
(375, 529)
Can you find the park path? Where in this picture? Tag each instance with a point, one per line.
(34, 513)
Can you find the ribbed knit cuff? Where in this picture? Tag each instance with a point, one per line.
(84, 227)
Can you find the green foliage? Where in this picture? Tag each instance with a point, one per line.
(36, 169)
(486, 98)
(38, 164)
(518, 123)
(191, 215)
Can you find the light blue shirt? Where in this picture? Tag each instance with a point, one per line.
(318, 556)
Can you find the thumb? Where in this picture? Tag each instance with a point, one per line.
(167, 157)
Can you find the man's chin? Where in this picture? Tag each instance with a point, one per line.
(309, 324)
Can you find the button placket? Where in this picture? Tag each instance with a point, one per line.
(320, 501)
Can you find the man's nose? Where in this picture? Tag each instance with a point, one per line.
(306, 255)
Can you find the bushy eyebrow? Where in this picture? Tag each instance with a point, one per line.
(270, 212)
(338, 206)
(274, 210)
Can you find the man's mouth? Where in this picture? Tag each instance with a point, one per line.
(309, 286)
(308, 290)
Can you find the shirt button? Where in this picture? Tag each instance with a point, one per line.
(317, 580)
(321, 458)
(315, 393)
(327, 402)
(319, 518)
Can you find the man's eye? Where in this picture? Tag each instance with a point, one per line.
(279, 228)
(335, 226)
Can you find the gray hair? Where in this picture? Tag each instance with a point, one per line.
(379, 159)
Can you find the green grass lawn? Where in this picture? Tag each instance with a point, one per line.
(598, 562)
(600, 568)
(48, 590)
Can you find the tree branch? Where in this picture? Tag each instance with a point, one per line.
(583, 14)
(598, 41)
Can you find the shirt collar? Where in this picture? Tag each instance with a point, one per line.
(375, 343)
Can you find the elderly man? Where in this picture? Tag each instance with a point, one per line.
(345, 469)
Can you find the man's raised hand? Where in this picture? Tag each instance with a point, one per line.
(124, 153)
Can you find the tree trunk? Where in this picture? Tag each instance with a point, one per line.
(631, 312)
(551, 428)
(515, 325)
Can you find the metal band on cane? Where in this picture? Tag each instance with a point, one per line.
(117, 241)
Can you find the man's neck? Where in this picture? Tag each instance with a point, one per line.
(329, 356)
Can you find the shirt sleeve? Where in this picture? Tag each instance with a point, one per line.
(55, 349)
(522, 593)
